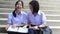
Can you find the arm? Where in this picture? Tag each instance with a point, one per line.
(9, 21)
(43, 20)
(7, 26)
(15, 25)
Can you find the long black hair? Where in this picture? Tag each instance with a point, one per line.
(14, 14)
(35, 6)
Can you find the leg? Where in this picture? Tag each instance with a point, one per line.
(22, 33)
(31, 31)
(36, 32)
(40, 31)
(12, 32)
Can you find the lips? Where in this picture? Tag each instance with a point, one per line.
(18, 7)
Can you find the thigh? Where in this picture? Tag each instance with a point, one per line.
(22, 33)
(12, 32)
(40, 31)
(36, 31)
(31, 31)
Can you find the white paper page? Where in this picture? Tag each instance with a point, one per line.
(23, 30)
(13, 29)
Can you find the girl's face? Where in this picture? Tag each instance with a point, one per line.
(31, 7)
(19, 6)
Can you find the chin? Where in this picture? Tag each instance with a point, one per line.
(18, 9)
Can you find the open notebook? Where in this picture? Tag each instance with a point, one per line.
(18, 29)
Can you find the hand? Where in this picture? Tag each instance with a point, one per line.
(35, 28)
(21, 25)
(14, 25)
(7, 26)
(43, 25)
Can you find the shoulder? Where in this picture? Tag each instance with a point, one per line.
(10, 14)
(29, 12)
(40, 12)
(23, 13)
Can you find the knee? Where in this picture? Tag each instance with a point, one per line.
(30, 29)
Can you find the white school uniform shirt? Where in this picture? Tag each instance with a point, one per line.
(19, 19)
(39, 19)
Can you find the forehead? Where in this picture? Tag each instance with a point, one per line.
(30, 5)
(19, 2)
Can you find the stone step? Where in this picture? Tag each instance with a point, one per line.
(54, 29)
(3, 21)
(49, 3)
(13, 2)
(3, 33)
(55, 12)
(49, 16)
(42, 6)
(26, 10)
(6, 6)
(8, 0)
(53, 17)
(49, 7)
(49, 0)
(53, 22)
(10, 3)
(40, 1)
(26, 3)
(8, 10)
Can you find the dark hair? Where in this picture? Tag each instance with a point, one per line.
(35, 6)
(14, 14)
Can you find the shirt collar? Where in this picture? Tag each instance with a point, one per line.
(39, 12)
(19, 13)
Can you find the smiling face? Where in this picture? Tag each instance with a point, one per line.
(18, 6)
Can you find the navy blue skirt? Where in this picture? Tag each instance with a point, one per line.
(9, 32)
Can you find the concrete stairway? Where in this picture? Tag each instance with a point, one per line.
(49, 7)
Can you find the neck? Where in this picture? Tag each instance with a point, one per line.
(35, 14)
(18, 12)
